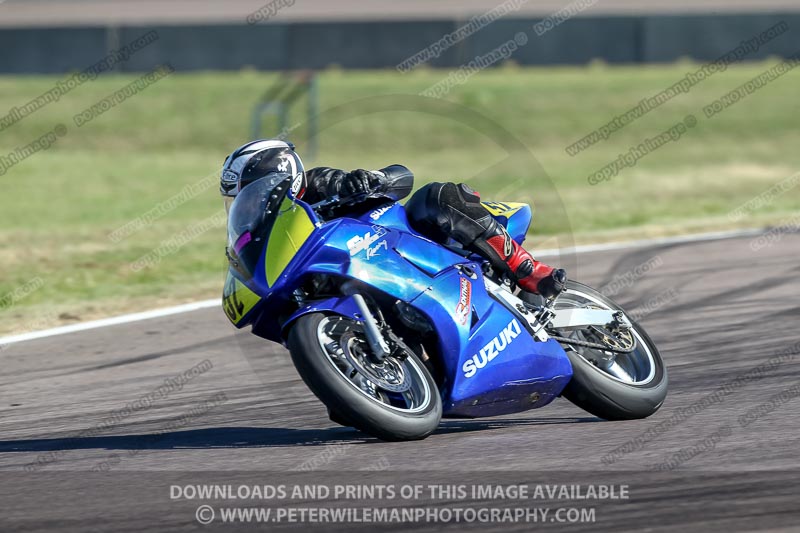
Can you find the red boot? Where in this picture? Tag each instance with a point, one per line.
(531, 275)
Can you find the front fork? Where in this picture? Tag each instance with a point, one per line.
(378, 346)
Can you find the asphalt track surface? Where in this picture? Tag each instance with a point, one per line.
(717, 310)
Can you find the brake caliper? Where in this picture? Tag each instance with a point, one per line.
(616, 334)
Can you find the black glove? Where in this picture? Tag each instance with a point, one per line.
(358, 182)
(554, 284)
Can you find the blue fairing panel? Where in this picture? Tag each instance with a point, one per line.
(516, 217)
(518, 223)
(341, 305)
(492, 365)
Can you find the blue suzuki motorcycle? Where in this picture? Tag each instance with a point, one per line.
(392, 331)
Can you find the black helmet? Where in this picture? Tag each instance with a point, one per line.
(258, 159)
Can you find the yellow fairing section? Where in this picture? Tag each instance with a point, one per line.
(291, 229)
(502, 209)
(237, 299)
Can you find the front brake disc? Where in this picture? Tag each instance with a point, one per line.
(389, 375)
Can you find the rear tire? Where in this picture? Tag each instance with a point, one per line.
(599, 393)
(351, 405)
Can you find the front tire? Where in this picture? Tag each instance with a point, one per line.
(323, 348)
(614, 387)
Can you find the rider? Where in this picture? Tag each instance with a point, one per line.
(437, 210)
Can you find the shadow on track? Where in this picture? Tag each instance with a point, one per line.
(252, 437)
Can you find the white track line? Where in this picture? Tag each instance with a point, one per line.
(114, 321)
(187, 308)
(641, 243)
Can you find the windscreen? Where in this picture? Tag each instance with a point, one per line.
(250, 218)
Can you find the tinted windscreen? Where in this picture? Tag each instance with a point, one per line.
(250, 219)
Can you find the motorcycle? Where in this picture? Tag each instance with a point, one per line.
(392, 331)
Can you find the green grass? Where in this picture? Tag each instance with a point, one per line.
(59, 206)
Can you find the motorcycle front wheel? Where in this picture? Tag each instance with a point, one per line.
(395, 400)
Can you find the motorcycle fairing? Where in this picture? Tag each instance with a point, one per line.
(516, 217)
(237, 300)
(517, 373)
(293, 226)
(512, 372)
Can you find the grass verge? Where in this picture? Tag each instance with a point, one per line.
(504, 131)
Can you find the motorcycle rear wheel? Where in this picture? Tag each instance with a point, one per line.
(611, 386)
